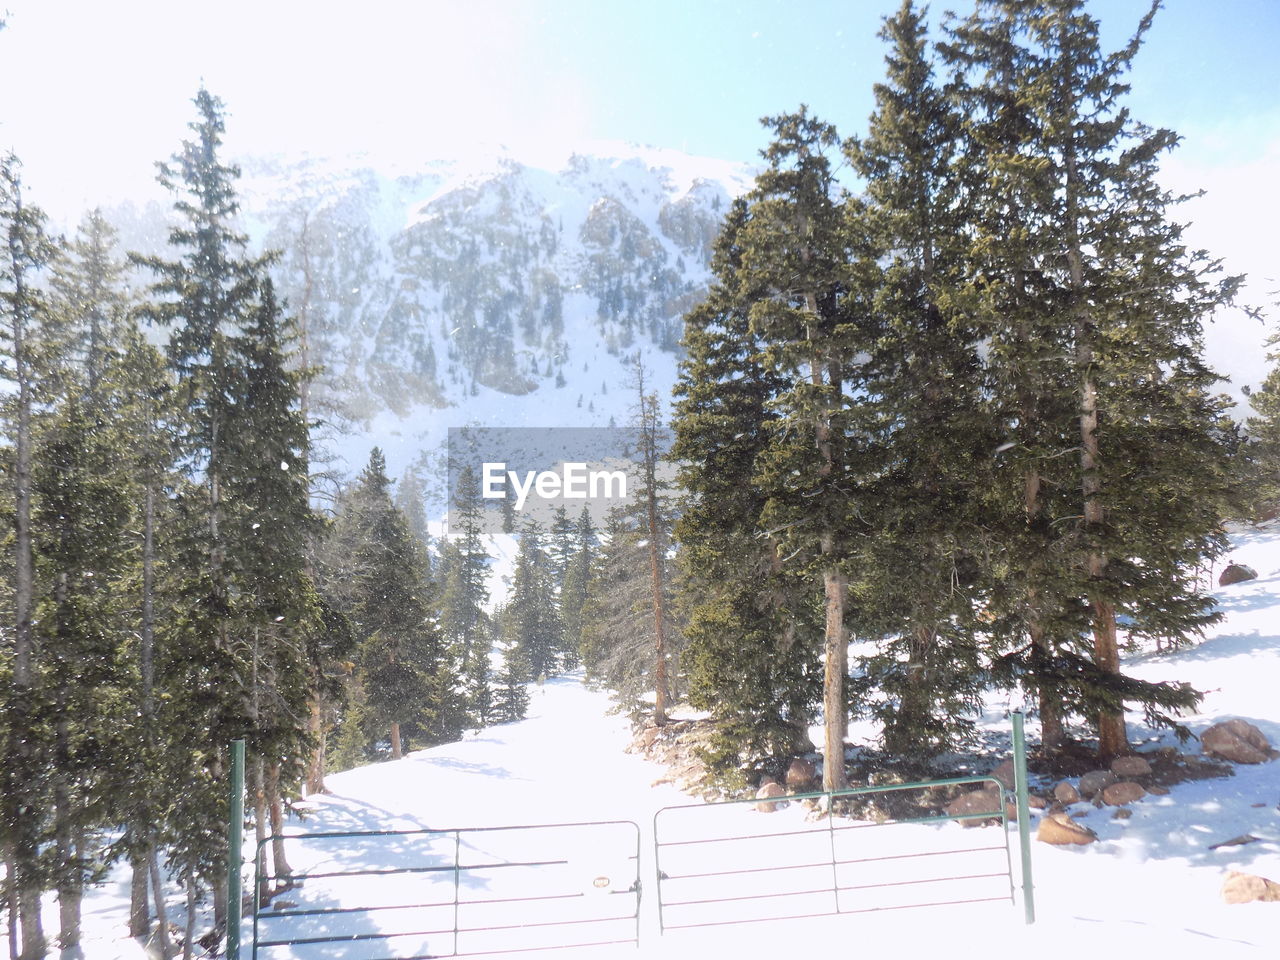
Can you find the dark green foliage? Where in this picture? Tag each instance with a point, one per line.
(401, 662)
(464, 621)
(530, 618)
(919, 565)
(753, 629)
(618, 617)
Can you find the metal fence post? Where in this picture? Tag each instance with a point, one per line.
(1024, 815)
(235, 853)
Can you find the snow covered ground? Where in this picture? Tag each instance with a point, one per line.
(1150, 882)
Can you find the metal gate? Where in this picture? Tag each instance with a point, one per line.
(723, 863)
(449, 893)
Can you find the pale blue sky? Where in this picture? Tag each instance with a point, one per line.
(92, 93)
(87, 85)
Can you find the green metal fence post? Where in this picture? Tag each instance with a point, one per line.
(235, 853)
(1024, 814)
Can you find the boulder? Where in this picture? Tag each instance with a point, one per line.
(1122, 813)
(1059, 829)
(1004, 774)
(800, 774)
(1238, 741)
(1037, 803)
(1118, 794)
(1093, 782)
(768, 794)
(1066, 793)
(1248, 888)
(1236, 573)
(975, 802)
(1126, 767)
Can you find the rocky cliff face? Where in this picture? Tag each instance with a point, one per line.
(426, 287)
(498, 293)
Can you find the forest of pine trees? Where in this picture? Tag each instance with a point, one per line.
(960, 419)
(172, 586)
(949, 431)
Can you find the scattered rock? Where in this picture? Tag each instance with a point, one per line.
(768, 795)
(1122, 813)
(1061, 830)
(1248, 888)
(1238, 741)
(1093, 782)
(1066, 793)
(1004, 774)
(1130, 767)
(800, 774)
(1158, 790)
(1118, 794)
(1037, 803)
(1236, 573)
(1166, 753)
(975, 802)
(1239, 841)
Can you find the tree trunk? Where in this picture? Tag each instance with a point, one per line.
(835, 660)
(395, 741)
(315, 727)
(162, 911)
(189, 934)
(34, 945)
(263, 894)
(275, 808)
(11, 900)
(70, 873)
(139, 902)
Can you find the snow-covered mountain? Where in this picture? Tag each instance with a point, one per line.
(489, 292)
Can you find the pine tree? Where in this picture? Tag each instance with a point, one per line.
(28, 324)
(798, 252)
(511, 693)
(920, 566)
(1099, 347)
(464, 622)
(753, 627)
(82, 511)
(618, 649)
(573, 596)
(530, 612)
(656, 521)
(408, 685)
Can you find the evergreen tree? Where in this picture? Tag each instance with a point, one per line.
(573, 596)
(511, 693)
(28, 326)
(618, 650)
(464, 622)
(530, 614)
(798, 252)
(408, 685)
(920, 566)
(80, 522)
(753, 627)
(1097, 349)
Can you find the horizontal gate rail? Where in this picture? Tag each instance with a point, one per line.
(815, 877)
(465, 921)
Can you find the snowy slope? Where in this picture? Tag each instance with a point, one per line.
(1151, 882)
